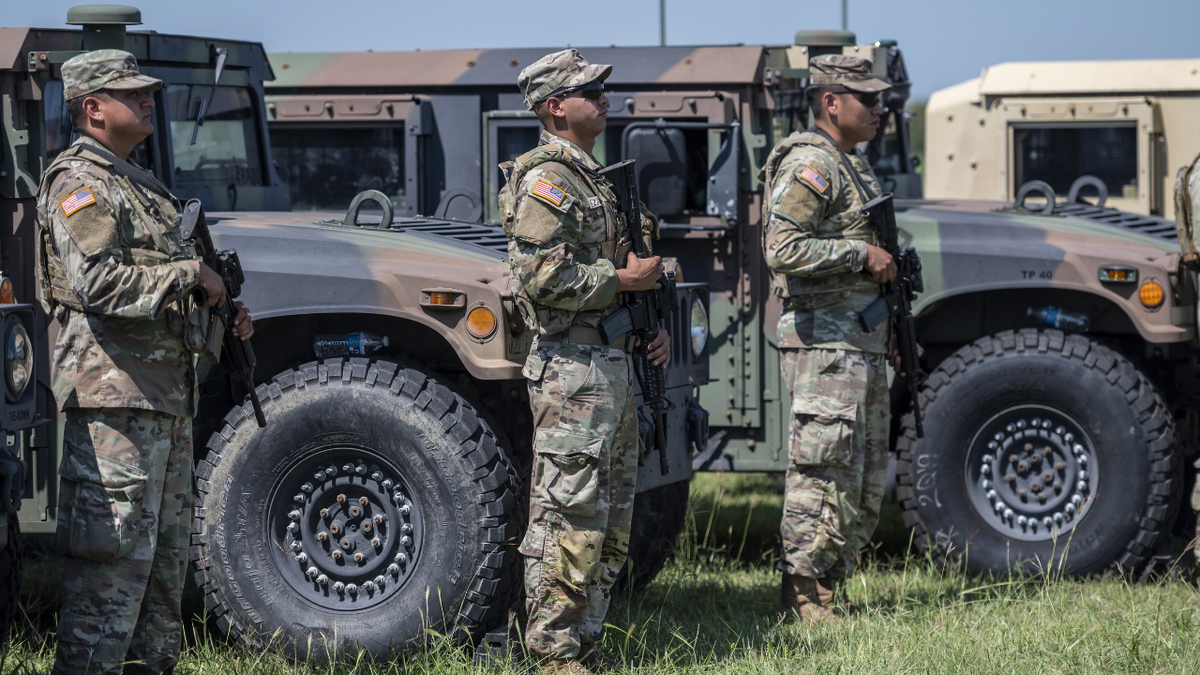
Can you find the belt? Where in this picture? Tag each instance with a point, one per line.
(582, 335)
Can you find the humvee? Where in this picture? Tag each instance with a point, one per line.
(1052, 341)
(1115, 131)
(384, 499)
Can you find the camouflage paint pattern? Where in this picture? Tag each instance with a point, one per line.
(561, 223)
(581, 496)
(117, 252)
(125, 513)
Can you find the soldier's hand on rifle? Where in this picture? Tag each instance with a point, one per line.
(659, 350)
(879, 266)
(242, 326)
(894, 356)
(213, 285)
(640, 274)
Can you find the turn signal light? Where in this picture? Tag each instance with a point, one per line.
(481, 322)
(437, 298)
(1118, 274)
(1151, 294)
(7, 297)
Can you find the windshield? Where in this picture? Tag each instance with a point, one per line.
(226, 151)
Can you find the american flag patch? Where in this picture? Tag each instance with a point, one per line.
(77, 200)
(549, 192)
(814, 179)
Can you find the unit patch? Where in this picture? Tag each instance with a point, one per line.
(548, 192)
(77, 200)
(810, 176)
(593, 202)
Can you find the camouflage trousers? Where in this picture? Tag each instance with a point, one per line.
(124, 519)
(837, 458)
(581, 496)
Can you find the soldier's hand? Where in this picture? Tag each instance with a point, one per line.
(640, 274)
(242, 326)
(659, 350)
(879, 267)
(893, 356)
(213, 286)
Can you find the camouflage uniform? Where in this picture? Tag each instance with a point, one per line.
(815, 245)
(113, 273)
(1187, 221)
(564, 250)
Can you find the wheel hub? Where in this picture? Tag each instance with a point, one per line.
(348, 526)
(1031, 472)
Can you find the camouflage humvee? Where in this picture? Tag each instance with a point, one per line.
(385, 498)
(1053, 342)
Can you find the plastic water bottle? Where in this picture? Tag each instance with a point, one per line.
(354, 344)
(1053, 316)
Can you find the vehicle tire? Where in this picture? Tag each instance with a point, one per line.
(359, 458)
(658, 518)
(11, 559)
(1042, 451)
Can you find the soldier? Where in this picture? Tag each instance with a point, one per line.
(570, 263)
(113, 272)
(826, 265)
(1187, 221)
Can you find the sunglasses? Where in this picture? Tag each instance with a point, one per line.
(592, 91)
(868, 99)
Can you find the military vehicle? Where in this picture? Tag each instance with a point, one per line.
(1051, 340)
(384, 499)
(1111, 130)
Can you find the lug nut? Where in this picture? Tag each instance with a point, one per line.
(1059, 466)
(1069, 437)
(380, 581)
(1036, 487)
(394, 569)
(985, 483)
(1083, 475)
(337, 555)
(1035, 458)
(352, 589)
(1010, 428)
(369, 586)
(992, 445)
(1079, 449)
(406, 528)
(1021, 494)
(366, 526)
(1012, 459)
(998, 507)
(294, 515)
(1041, 498)
(1028, 447)
(387, 484)
(322, 536)
(296, 546)
(378, 519)
(1082, 459)
(361, 470)
(341, 499)
(1009, 477)
(302, 558)
(376, 476)
(1081, 485)
(320, 475)
(1058, 518)
(306, 488)
(376, 543)
(322, 580)
(293, 528)
(348, 468)
(1020, 424)
(346, 544)
(1022, 467)
(358, 557)
(988, 459)
(405, 510)
(1076, 500)
(1057, 485)
(311, 572)
(1008, 514)
(985, 469)
(339, 586)
(324, 513)
(335, 528)
(331, 472)
(363, 501)
(1035, 423)
(1070, 508)
(299, 499)
(1047, 522)
(354, 511)
(397, 497)
(406, 541)
(401, 558)
(1059, 430)
(1021, 520)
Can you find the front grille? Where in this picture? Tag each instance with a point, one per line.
(487, 236)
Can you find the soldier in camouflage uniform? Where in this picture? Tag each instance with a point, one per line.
(1187, 221)
(113, 271)
(826, 266)
(570, 264)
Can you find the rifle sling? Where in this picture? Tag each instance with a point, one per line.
(862, 189)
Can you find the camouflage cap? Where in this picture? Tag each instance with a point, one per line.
(103, 69)
(852, 72)
(558, 71)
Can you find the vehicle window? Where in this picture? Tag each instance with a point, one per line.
(226, 151)
(1058, 155)
(512, 142)
(326, 167)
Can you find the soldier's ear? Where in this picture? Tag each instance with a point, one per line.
(92, 108)
(554, 107)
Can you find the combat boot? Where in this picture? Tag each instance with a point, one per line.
(564, 667)
(596, 660)
(843, 603)
(806, 598)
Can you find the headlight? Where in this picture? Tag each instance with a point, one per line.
(18, 360)
(699, 327)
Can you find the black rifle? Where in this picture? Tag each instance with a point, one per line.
(898, 294)
(645, 309)
(225, 263)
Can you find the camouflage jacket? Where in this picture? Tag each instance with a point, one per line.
(815, 244)
(114, 274)
(565, 240)
(1187, 211)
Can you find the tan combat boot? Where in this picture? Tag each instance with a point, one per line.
(564, 667)
(806, 598)
(596, 660)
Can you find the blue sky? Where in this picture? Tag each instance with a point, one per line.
(944, 42)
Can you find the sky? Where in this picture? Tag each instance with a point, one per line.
(944, 41)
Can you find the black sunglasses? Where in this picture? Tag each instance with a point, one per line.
(868, 99)
(592, 91)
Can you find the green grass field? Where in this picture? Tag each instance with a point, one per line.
(712, 611)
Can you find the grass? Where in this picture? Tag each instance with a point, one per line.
(711, 611)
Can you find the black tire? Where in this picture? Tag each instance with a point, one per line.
(1017, 426)
(11, 559)
(658, 518)
(457, 520)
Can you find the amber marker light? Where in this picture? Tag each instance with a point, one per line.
(1151, 294)
(437, 298)
(7, 297)
(481, 322)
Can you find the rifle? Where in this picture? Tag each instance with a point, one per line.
(241, 361)
(645, 309)
(898, 294)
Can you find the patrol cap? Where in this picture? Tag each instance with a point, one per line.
(103, 69)
(852, 72)
(554, 72)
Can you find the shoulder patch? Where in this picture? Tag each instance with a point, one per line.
(548, 192)
(593, 202)
(810, 176)
(77, 200)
